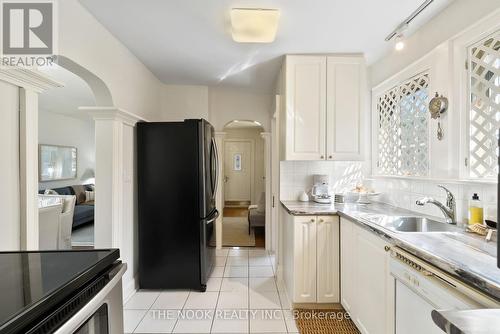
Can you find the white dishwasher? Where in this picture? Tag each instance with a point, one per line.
(421, 288)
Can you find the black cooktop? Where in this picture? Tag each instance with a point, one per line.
(31, 282)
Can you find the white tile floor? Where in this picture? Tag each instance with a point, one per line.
(242, 297)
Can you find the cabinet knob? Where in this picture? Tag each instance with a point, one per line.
(322, 157)
(387, 248)
(312, 220)
(330, 157)
(321, 221)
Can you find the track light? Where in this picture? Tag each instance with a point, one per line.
(399, 42)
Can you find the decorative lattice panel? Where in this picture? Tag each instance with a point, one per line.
(484, 115)
(402, 128)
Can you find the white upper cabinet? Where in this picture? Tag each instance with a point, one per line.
(345, 98)
(305, 107)
(324, 98)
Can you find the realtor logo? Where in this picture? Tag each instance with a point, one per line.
(27, 28)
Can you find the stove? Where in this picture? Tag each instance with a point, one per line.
(43, 291)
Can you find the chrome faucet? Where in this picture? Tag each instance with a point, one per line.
(448, 210)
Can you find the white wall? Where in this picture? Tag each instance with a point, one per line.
(9, 168)
(228, 104)
(219, 105)
(179, 102)
(254, 134)
(84, 40)
(58, 129)
(451, 21)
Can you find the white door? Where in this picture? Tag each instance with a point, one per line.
(305, 107)
(304, 260)
(327, 255)
(10, 237)
(238, 164)
(345, 100)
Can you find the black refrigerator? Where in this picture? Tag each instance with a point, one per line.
(177, 182)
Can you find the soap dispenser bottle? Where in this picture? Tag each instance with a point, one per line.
(475, 210)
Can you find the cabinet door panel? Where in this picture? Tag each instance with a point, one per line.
(374, 297)
(347, 258)
(305, 107)
(328, 259)
(345, 99)
(305, 260)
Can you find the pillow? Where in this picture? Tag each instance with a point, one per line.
(261, 206)
(90, 196)
(79, 193)
(50, 192)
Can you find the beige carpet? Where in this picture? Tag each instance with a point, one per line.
(235, 232)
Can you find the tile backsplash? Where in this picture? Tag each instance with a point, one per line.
(405, 192)
(297, 176)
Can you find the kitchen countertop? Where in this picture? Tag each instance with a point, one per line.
(466, 257)
(482, 321)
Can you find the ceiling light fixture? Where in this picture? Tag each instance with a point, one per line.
(399, 42)
(254, 25)
(398, 33)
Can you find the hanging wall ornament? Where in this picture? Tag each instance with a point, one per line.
(437, 106)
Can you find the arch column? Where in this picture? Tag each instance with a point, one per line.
(31, 83)
(115, 222)
(219, 197)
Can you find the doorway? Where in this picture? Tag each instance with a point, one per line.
(67, 156)
(244, 185)
(239, 171)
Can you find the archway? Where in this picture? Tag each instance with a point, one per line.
(244, 184)
(62, 129)
(102, 100)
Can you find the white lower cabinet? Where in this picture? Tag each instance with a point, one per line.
(311, 258)
(347, 257)
(304, 260)
(327, 258)
(367, 287)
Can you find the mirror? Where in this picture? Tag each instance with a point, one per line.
(57, 162)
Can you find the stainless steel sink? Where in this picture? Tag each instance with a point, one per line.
(419, 224)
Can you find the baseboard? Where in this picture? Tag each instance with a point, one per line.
(129, 288)
(279, 273)
(318, 306)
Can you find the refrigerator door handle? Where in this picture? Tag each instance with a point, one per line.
(214, 218)
(214, 144)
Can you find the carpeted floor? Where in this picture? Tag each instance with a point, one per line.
(235, 232)
(324, 322)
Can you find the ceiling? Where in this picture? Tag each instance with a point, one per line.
(65, 100)
(189, 41)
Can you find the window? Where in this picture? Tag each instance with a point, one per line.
(402, 128)
(484, 106)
